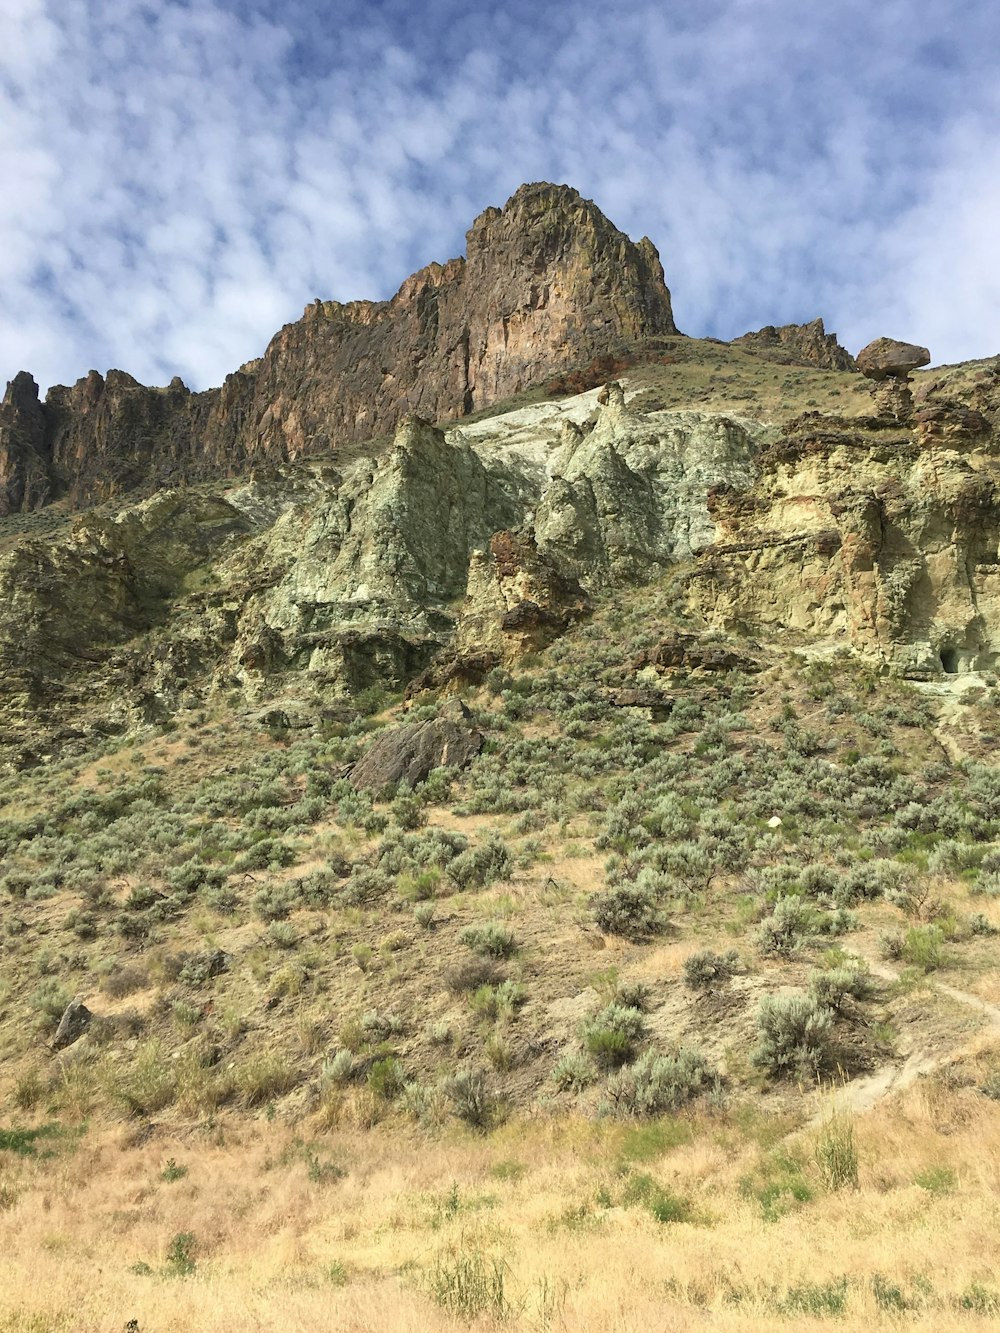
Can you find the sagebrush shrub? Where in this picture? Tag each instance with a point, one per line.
(481, 866)
(472, 1097)
(705, 969)
(386, 1078)
(491, 940)
(366, 887)
(611, 1034)
(794, 1035)
(782, 932)
(273, 902)
(836, 986)
(656, 1083)
(338, 1069)
(627, 910)
(573, 1072)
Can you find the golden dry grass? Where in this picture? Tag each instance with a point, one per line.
(282, 1241)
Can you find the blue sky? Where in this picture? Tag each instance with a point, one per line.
(182, 176)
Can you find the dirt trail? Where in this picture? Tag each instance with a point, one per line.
(862, 1094)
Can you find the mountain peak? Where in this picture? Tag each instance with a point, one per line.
(548, 284)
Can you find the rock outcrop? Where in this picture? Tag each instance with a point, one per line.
(410, 753)
(547, 284)
(798, 345)
(684, 653)
(887, 363)
(426, 560)
(884, 541)
(439, 559)
(628, 498)
(518, 600)
(25, 456)
(452, 553)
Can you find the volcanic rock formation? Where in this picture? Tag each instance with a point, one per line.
(798, 344)
(547, 284)
(887, 363)
(767, 504)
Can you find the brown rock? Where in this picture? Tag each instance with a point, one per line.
(519, 600)
(547, 284)
(659, 705)
(453, 671)
(885, 357)
(798, 345)
(412, 751)
(24, 457)
(950, 422)
(685, 652)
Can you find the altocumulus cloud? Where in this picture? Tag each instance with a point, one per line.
(182, 176)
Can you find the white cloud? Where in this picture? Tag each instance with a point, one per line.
(183, 178)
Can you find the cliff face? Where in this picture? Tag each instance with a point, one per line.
(25, 459)
(453, 551)
(880, 535)
(548, 283)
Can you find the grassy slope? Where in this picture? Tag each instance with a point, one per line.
(317, 1186)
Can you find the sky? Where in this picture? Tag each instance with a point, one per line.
(181, 177)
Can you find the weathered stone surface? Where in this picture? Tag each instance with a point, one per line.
(866, 539)
(655, 702)
(547, 284)
(687, 652)
(73, 1024)
(886, 356)
(443, 556)
(355, 577)
(409, 753)
(453, 671)
(518, 600)
(63, 602)
(798, 345)
(25, 458)
(628, 498)
(952, 422)
(892, 397)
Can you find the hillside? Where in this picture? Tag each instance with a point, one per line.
(540, 869)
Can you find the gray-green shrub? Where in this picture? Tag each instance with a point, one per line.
(794, 1035)
(656, 1083)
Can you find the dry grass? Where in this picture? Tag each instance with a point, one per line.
(292, 1230)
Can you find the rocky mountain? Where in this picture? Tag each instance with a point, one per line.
(779, 491)
(794, 344)
(616, 761)
(547, 283)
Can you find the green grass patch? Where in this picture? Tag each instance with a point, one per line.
(26, 1142)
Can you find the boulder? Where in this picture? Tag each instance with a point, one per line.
(409, 753)
(886, 356)
(73, 1024)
